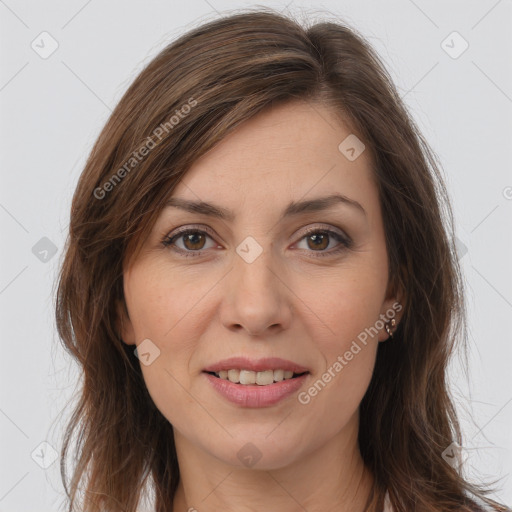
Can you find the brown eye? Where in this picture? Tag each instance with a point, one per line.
(319, 241)
(188, 241)
(194, 241)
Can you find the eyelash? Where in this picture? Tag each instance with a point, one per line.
(344, 242)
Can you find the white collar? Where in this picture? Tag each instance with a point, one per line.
(387, 503)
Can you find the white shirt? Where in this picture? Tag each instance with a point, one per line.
(387, 503)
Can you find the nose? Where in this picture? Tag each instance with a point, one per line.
(256, 297)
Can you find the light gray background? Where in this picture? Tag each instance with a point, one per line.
(53, 109)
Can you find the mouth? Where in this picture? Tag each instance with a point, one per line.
(250, 382)
(251, 378)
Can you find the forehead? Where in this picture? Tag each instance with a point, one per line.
(282, 154)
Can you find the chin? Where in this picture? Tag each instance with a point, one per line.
(258, 452)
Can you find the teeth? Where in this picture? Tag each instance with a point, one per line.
(248, 377)
(264, 378)
(233, 375)
(278, 375)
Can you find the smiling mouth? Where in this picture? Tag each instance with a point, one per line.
(249, 377)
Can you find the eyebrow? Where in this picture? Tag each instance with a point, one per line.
(293, 209)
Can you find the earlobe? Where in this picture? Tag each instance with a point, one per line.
(124, 325)
(389, 320)
(391, 313)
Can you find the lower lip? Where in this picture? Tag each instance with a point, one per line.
(256, 396)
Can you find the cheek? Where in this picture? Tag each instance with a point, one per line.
(348, 307)
(334, 395)
(347, 304)
(165, 308)
(163, 303)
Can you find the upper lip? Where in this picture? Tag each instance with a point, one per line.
(256, 365)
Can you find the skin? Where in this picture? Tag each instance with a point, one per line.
(286, 303)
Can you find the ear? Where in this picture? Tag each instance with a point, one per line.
(123, 324)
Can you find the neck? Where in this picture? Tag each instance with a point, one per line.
(331, 478)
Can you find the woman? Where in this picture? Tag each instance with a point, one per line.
(261, 287)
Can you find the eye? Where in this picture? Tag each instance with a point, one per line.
(319, 239)
(193, 241)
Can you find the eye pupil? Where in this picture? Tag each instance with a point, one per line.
(190, 237)
(319, 239)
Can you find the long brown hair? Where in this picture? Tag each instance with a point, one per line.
(186, 100)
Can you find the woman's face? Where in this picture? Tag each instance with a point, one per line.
(270, 279)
